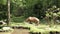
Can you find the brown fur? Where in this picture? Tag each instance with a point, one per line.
(32, 20)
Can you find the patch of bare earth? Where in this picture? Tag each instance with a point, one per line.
(20, 31)
(5, 32)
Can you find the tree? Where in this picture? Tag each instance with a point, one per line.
(8, 13)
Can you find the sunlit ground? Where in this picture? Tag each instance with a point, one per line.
(33, 28)
(40, 26)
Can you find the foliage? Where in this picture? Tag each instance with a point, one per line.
(3, 9)
(28, 8)
(3, 2)
(18, 19)
(53, 14)
(54, 11)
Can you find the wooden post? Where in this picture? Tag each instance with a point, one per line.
(8, 12)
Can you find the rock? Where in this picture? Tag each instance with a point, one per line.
(7, 28)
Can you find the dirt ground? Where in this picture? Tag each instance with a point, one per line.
(17, 31)
(21, 31)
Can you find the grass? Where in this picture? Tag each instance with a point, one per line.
(43, 28)
(39, 27)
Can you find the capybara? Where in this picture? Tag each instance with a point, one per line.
(32, 20)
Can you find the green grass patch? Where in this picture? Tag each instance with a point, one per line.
(43, 28)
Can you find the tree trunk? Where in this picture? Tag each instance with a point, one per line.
(8, 13)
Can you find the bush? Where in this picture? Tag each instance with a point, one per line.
(18, 19)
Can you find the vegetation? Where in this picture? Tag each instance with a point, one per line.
(48, 11)
(40, 28)
(27, 8)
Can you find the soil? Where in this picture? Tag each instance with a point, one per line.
(17, 31)
(20, 31)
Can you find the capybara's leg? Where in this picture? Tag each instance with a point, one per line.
(37, 23)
